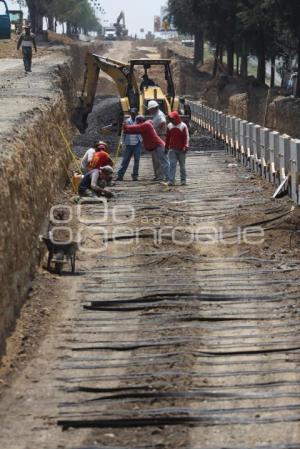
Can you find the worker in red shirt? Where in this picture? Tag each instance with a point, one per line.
(151, 140)
(177, 142)
(101, 158)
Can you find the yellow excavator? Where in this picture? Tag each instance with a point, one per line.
(120, 26)
(132, 95)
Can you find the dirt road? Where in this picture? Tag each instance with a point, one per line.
(181, 328)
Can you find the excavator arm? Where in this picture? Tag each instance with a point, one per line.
(120, 74)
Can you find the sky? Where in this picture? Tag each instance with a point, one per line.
(139, 13)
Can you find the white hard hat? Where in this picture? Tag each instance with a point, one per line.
(152, 104)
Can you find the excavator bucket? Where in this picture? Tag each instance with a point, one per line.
(118, 71)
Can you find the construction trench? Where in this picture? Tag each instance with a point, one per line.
(181, 326)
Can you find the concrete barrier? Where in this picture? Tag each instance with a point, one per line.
(268, 153)
(284, 156)
(295, 169)
(274, 157)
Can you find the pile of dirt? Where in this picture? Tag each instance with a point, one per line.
(106, 111)
(8, 49)
(284, 115)
(55, 38)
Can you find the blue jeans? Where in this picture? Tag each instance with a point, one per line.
(177, 156)
(27, 58)
(130, 150)
(163, 161)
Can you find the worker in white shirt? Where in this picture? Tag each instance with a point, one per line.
(27, 42)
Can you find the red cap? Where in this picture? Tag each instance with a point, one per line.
(175, 116)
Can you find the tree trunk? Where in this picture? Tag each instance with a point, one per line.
(273, 70)
(199, 48)
(32, 15)
(69, 29)
(237, 64)
(244, 61)
(261, 54)
(298, 78)
(230, 59)
(51, 23)
(221, 54)
(215, 70)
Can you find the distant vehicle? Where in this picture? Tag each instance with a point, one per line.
(5, 25)
(120, 26)
(110, 33)
(16, 20)
(188, 42)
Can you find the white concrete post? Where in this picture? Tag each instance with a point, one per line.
(274, 157)
(196, 113)
(218, 133)
(227, 132)
(256, 149)
(284, 156)
(232, 135)
(237, 135)
(249, 141)
(199, 114)
(243, 139)
(295, 169)
(204, 117)
(265, 151)
(215, 122)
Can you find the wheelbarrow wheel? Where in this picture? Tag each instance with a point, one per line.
(50, 255)
(73, 264)
(58, 267)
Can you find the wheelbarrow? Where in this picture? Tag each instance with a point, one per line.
(61, 253)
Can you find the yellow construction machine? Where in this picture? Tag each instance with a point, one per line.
(132, 94)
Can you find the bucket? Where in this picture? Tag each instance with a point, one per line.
(76, 179)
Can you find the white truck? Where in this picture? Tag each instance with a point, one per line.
(110, 33)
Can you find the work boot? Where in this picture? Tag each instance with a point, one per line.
(119, 179)
(134, 178)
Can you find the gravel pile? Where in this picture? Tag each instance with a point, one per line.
(106, 111)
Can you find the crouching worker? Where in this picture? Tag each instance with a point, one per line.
(177, 142)
(96, 157)
(94, 183)
(152, 141)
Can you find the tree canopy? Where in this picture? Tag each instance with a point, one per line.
(78, 14)
(267, 29)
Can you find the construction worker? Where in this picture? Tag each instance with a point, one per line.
(177, 142)
(27, 42)
(96, 157)
(101, 157)
(160, 125)
(94, 182)
(151, 140)
(132, 146)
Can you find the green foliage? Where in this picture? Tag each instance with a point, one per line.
(264, 28)
(77, 13)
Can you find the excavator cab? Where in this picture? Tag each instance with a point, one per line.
(155, 73)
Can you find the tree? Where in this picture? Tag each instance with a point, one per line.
(290, 13)
(185, 14)
(78, 14)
